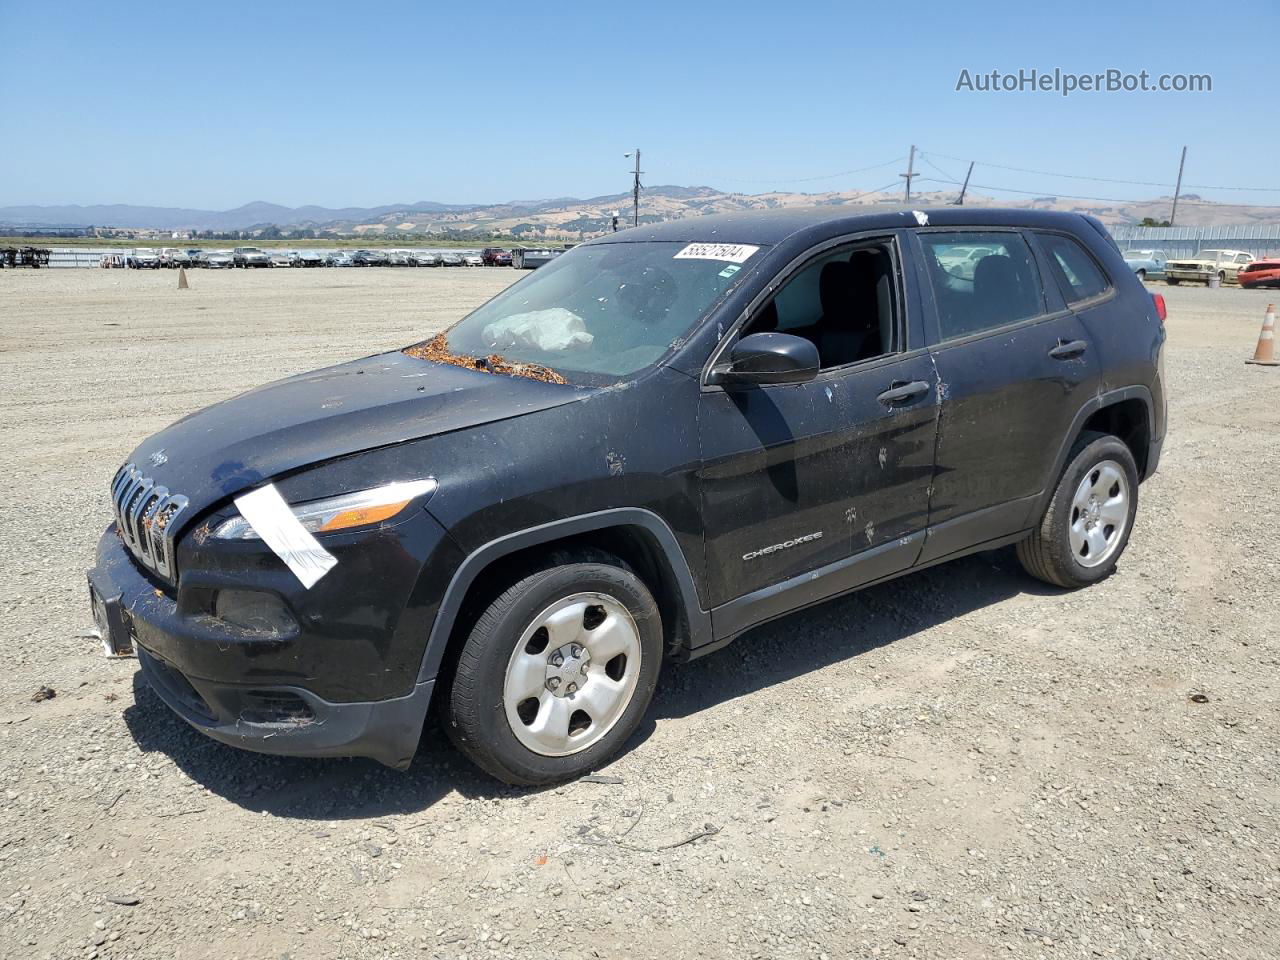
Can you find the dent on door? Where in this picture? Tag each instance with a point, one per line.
(798, 479)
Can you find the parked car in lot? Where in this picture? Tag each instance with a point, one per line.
(219, 260)
(250, 257)
(424, 258)
(1224, 264)
(496, 257)
(523, 259)
(1146, 264)
(399, 258)
(961, 261)
(307, 258)
(487, 522)
(369, 258)
(282, 258)
(1261, 273)
(451, 260)
(144, 258)
(472, 260)
(340, 258)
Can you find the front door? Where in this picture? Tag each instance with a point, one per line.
(799, 477)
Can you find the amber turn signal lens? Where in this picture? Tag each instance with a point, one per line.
(361, 516)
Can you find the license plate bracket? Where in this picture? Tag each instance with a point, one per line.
(109, 621)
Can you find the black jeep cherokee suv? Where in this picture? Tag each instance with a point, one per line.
(654, 443)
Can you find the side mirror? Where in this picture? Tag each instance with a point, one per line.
(763, 358)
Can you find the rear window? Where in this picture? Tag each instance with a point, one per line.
(981, 281)
(1078, 273)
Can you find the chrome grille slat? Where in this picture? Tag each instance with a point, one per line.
(126, 501)
(133, 514)
(147, 519)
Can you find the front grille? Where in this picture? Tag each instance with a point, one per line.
(146, 517)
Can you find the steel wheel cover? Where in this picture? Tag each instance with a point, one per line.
(572, 674)
(1099, 514)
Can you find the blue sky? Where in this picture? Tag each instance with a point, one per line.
(214, 104)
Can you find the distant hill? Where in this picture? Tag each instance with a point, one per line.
(571, 218)
(257, 213)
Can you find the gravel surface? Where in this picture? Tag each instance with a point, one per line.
(961, 764)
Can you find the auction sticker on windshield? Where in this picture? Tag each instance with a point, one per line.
(728, 252)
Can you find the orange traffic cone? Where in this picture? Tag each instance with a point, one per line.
(182, 278)
(1265, 354)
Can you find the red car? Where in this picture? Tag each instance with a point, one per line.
(495, 257)
(1261, 273)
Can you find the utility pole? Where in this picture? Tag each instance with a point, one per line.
(911, 163)
(960, 199)
(1173, 217)
(635, 191)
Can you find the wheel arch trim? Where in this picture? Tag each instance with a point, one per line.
(1099, 402)
(476, 562)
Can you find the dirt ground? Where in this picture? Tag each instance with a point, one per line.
(961, 764)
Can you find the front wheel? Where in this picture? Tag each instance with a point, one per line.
(1172, 282)
(557, 673)
(1142, 275)
(1087, 524)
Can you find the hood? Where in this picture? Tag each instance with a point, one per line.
(316, 416)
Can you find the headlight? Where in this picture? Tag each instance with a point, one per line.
(340, 513)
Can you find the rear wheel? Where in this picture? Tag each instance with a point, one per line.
(557, 673)
(1087, 524)
(1172, 282)
(1142, 275)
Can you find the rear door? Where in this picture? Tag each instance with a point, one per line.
(1014, 367)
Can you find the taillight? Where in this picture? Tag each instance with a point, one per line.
(1161, 310)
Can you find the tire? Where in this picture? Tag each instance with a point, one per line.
(1173, 283)
(1222, 278)
(504, 673)
(1058, 550)
(1142, 275)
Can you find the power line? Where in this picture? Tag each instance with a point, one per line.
(827, 176)
(925, 157)
(1076, 176)
(1073, 196)
(866, 193)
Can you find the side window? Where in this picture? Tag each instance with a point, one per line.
(1080, 276)
(844, 302)
(1243, 258)
(981, 281)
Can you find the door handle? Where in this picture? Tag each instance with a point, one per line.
(1068, 349)
(900, 391)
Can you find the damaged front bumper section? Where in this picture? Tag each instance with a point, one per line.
(254, 711)
(291, 721)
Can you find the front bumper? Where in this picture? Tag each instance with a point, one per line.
(308, 726)
(342, 682)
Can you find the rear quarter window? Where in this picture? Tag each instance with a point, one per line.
(1078, 273)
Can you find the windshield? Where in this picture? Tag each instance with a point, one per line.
(1139, 254)
(608, 309)
(1212, 255)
